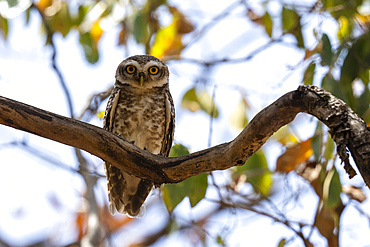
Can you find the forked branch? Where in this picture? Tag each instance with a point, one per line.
(349, 132)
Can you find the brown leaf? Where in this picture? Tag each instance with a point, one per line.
(327, 222)
(294, 156)
(122, 38)
(355, 193)
(254, 17)
(309, 53)
(182, 23)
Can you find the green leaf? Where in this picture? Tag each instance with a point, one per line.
(290, 18)
(178, 150)
(363, 103)
(317, 141)
(329, 149)
(207, 104)
(355, 64)
(195, 188)
(4, 27)
(12, 3)
(340, 90)
(89, 47)
(309, 73)
(282, 242)
(194, 101)
(267, 23)
(28, 15)
(140, 27)
(292, 24)
(82, 12)
(331, 189)
(357, 60)
(365, 77)
(220, 241)
(62, 21)
(190, 100)
(257, 172)
(338, 8)
(326, 53)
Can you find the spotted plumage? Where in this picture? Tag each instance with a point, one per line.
(140, 110)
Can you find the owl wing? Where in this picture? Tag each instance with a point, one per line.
(121, 197)
(170, 125)
(111, 109)
(112, 172)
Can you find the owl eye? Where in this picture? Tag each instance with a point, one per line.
(153, 70)
(130, 69)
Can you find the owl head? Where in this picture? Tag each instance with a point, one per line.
(142, 71)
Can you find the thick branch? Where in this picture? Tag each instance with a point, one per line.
(349, 131)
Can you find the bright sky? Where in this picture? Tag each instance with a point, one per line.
(29, 205)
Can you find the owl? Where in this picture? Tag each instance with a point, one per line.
(140, 110)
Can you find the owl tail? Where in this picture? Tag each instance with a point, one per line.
(126, 193)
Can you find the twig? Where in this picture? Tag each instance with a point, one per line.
(250, 56)
(94, 102)
(273, 217)
(213, 22)
(50, 34)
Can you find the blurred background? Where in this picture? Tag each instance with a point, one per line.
(227, 61)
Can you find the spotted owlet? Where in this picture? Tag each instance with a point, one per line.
(140, 110)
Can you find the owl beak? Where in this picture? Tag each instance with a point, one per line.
(141, 77)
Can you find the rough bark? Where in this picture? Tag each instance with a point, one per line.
(349, 132)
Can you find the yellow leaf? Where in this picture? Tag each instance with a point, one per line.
(345, 28)
(207, 104)
(294, 156)
(285, 136)
(96, 32)
(238, 117)
(167, 42)
(100, 114)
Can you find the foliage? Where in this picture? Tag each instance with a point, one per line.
(345, 60)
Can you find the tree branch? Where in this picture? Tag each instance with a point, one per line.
(348, 130)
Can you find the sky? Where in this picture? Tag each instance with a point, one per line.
(31, 209)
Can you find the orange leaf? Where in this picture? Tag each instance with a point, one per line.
(113, 223)
(43, 4)
(294, 156)
(81, 222)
